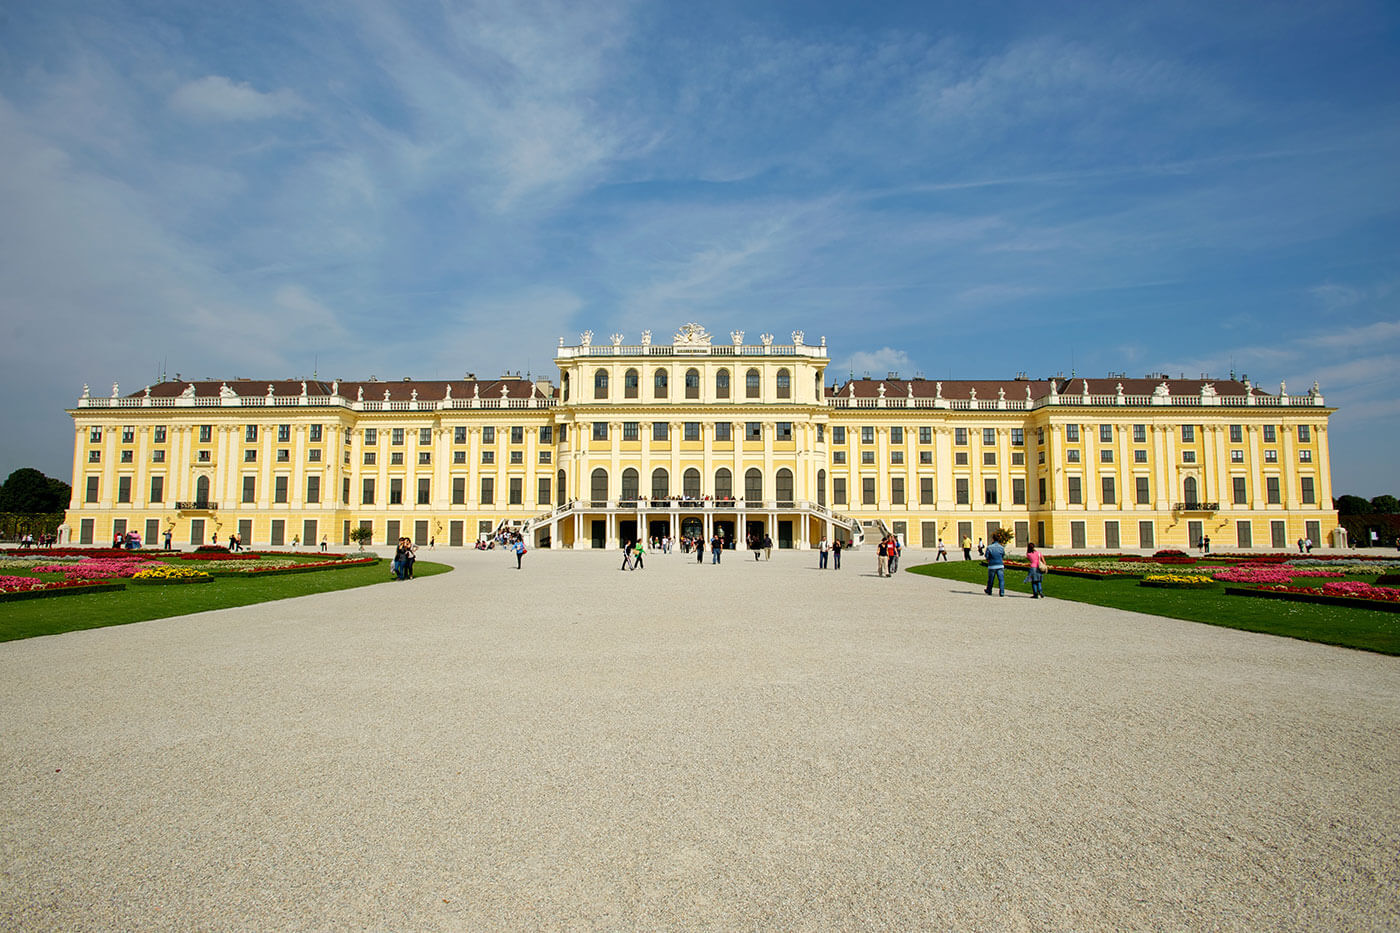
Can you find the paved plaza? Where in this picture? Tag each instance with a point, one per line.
(743, 746)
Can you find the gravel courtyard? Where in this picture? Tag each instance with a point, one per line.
(742, 746)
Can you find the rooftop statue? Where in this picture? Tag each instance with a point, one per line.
(692, 335)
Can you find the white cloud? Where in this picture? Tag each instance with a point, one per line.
(216, 98)
(877, 363)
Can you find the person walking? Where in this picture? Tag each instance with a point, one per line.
(699, 549)
(767, 547)
(822, 551)
(894, 554)
(716, 548)
(323, 544)
(638, 551)
(519, 551)
(836, 553)
(981, 549)
(996, 568)
(1039, 565)
(967, 547)
(756, 545)
(942, 551)
(626, 556)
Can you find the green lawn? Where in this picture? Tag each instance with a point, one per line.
(53, 615)
(1369, 630)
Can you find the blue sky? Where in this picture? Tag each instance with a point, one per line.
(963, 190)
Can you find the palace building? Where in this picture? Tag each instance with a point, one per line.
(697, 437)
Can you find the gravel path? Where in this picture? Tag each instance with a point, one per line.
(755, 746)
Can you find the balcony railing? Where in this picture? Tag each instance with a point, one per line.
(1196, 507)
(198, 505)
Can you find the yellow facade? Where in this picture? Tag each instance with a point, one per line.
(700, 437)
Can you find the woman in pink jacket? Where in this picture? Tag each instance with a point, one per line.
(1039, 566)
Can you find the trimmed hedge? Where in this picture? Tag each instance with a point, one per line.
(60, 591)
(1165, 585)
(171, 581)
(276, 571)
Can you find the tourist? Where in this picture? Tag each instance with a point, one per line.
(942, 551)
(637, 556)
(996, 568)
(967, 547)
(767, 547)
(167, 539)
(410, 554)
(519, 551)
(882, 558)
(894, 554)
(716, 548)
(756, 545)
(626, 555)
(836, 553)
(699, 549)
(1039, 566)
(1205, 545)
(822, 551)
(323, 544)
(981, 551)
(1300, 547)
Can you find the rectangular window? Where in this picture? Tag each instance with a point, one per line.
(897, 490)
(1239, 490)
(91, 492)
(630, 431)
(158, 434)
(691, 431)
(1139, 456)
(542, 490)
(516, 492)
(960, 437)
(1106, 455)
(1309, 492)
(1018, 458)
(128, 434)
(1237, 456)
(517, 434)
(896, 435)
(1270, 434)
(314, 455)
(425, 437)
(250, 455)
(250, 489)
(600, 430)
(396, 437)
(1072, 433)
(371, 436)
(94, 435)
(284, 433)
(250, 433)
(1018, 491)
(315, 435)
(1188, 433)
(989, 490)
(396, 458)
(488, 456)
(784, 431)
(459, 456)
(1041, 490)
(1110, 491)
(838, 490)
(1188, 456)
(95, 456)
(1271, 490)
(896, 456)
(838, 457)
(753, 431)
(1106, 433)
(488, 490)
(867, 435)
(821, 433)
(1143, 493)
(563, 433)
(1305, 456)
(546, 434)
(1236, 434)
(313, 490)
(925, 435)
(284, 455)
(1271, 456)
(123, 488)
(867, 490)
(459, 490)
(989, 437)
(367, 492)
(1110, 535)
(960, 458)
(127, 456)
(370, 457)
(206, 433)
(157, 489)
(345, 496)
(425, 488)
(459, 434)
(396, 490)
(1018, 437)
(989, 458)
(925, 456)
(279, 489)
(546, 456)
(838, 434)
(516, 456)
(660, 431)
(1305, 434)
(1139, 434)
(488, 435)
(926, 490)
(724, 431)
(867, 456)
(1071, 456)
(960, 491)
(1076, 490)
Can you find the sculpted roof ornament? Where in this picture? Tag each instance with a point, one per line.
(87, 392)
(737, 336)
(767, 339)
(1207, 390)
(692, 335)
(797, 338)
(646, 338)
(226, 392)
(938, 390)
(116, 391)
(1161, 391)
(585, 339)
(188, 391)
(616, 340)
(360, 394)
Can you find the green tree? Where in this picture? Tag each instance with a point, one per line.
(1385, 505)
(31, 492)
(362, 536)
(1352, 505)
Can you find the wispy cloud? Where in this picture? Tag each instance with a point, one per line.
(215, 97)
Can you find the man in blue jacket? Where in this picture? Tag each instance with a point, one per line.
(996, 568)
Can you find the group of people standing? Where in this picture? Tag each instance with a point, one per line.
(887, 556)
(832, 550)
(404, 556)
(43, 539)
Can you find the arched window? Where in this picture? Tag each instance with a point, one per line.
(821, 487)
(722, 384)
(692, 383)
(783, 485)
(753, 485)
(659, 381)
(817, 387)
(629, 485)
(1188, 488)
(566, 387)
(201, 490)
(690, 483)
(560, 495)
(599, 482)
(784, 384)
(724, 484)
(660, 484)
(752, 382)
(630, 383)
(600, 384)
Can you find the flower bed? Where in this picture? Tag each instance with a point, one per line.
(219, 555)
(246, 571)
(16, 588)
(1319, 595)
(166, 573)
(101, 568)
(85, 552)
(1361, 564)
(1177, 581)
(1268, 575)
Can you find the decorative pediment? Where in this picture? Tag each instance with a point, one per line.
(692, 335)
